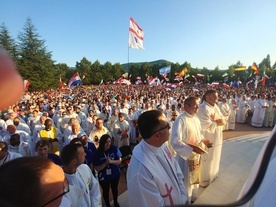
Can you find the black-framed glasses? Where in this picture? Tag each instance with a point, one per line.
(165, 127)
(66, 190)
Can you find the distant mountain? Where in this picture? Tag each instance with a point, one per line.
(158, 62)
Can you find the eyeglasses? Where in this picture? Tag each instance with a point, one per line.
(66, 190)
(167, 126)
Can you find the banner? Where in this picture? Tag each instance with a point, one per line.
(136, 35)
(74, 80)
(165, 70)
(240, 68)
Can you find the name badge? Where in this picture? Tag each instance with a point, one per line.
(108, 171)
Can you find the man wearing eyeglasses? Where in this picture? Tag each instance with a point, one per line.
(154, 178)
(42, 184)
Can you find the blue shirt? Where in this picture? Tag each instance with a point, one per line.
(110, 171)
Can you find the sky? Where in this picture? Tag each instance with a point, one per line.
(205, 33)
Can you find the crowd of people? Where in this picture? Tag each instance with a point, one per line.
(82, 130)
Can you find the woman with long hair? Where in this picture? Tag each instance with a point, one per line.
(107, 162)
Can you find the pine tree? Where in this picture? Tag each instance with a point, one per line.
(8, 43)
(35, 63)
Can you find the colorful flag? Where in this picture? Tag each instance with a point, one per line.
(101, 82)
(224, 74)
(255, 68)
(182, 72)
(74, 80)
(187, 76)
(241, 68)
(264, 78)
(26, 85)
(136, 35)
(155, 82)
(165, 70)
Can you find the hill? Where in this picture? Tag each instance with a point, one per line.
(158, 62)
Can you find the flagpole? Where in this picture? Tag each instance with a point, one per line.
(128, 58)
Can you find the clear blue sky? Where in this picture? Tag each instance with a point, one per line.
(206, 33)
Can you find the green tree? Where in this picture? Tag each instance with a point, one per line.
(117, 71)
(8, 43)
(107, 71)
(35, 63)
(95, 68)
(134, 71)
(84, 68)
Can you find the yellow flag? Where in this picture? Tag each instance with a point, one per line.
(182, 72)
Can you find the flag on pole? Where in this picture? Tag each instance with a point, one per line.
(187, 76)
(60, 83)
(255, 68)
(264, 78)
(136, 35)
(155, 82)
(74, 80)
(101, 82)
(26, 85)
(182, 72)
(240, 68)
(165, 70)
(224, 74)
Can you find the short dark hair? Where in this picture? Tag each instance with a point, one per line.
(208, 92)
(69, 152)
(75, 141)
(42, 143)
(189, 100)
(148, 122)
(20, 174)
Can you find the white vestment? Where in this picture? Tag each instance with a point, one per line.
(225, 110)
(118, 129)
(187, 130)
(210, 162)
(23, 148)
(259, 113)
(242, 112)
(10, 156)
(154, 177)
(232, 116)
(87, 183)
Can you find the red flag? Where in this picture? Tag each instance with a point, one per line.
(26, 85)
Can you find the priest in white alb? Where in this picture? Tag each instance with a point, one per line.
(212, 122)
(154, 178)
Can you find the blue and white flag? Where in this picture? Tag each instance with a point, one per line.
(165, 70)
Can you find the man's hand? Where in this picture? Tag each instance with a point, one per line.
(220, 122)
